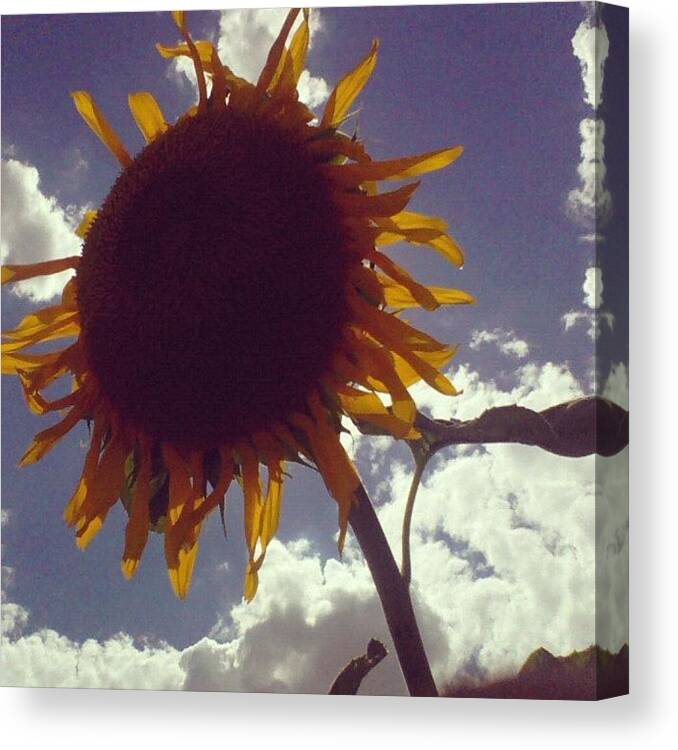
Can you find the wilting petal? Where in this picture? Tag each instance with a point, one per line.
(45, 268)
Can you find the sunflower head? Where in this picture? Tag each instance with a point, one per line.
(232, 302)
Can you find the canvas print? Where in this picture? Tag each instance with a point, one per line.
(315, 330)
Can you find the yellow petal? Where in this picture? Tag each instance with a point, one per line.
(103, 492)
(376, 361)
(273, 504)
(419, 292)
(419, 230)
(147, 114)
(44, 441)
(86, 224)
(180, 490)
(299, 47)
(276, 52)
(399, 297)
(179, 17)
(180, 577)
(389, 329)
(367, 407)
(384, 204)
(41, 320)
(204, 48)
(69, 326)
(427, 372)
(251, 583)
(15, 361)
(93, 116)
(87, 476)
(136, 532)
(252, 494)
(409, 376)
(40, 405)
(216, 497)
(45, 268)
(348, 89)
(397, 169)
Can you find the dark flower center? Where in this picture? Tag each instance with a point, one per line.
(211, 286)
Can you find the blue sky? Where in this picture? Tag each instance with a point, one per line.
(505, 82)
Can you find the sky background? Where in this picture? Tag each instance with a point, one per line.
(504, 536)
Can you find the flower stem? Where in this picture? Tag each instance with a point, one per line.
(406, 564)
(394, 595)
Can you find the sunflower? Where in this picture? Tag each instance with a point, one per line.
(230, 305)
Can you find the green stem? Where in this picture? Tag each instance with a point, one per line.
(406, 564)
(394, 595)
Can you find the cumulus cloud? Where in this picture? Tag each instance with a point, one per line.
(590, 204)
(34, 228)
(506, 341)
(591, 47)
(595, 322)
(244, 38)
(504, 561)
(593, 318)
(616, 387)
(593, 287)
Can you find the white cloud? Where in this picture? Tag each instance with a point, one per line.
(244, 39)
(616, 386)
(594, 319)
(591, 46)
(507, 342)
(593, 287)
(504, 561)
(34, 228)
(590, 204)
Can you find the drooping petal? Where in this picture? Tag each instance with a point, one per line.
(217, 495)
(419, 229)
(379, 365)
(103, 492)
(40, 405)
(15, 361)
(348, 89)
(273, 503)
(419, 292)
(409, 376)
(45, 268)
(399, 297)
(352, 175)
(389, 329)
(384, 204)
(38, 321)
(88, 472)
(136, 532)
(182, 50)
(44, 441)
(64, 327)
(367, 407)
(147, 115)
(251, 493)
(93, 116)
